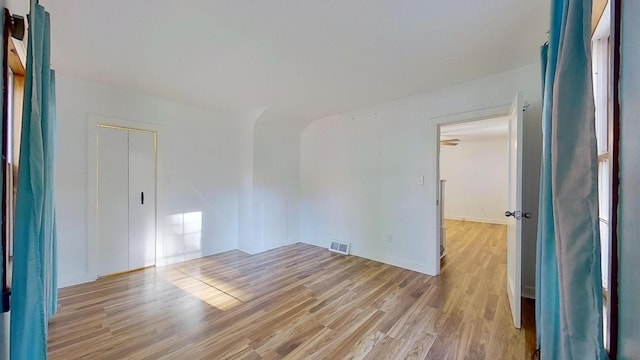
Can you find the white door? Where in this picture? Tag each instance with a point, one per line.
(113, 200)
(514, 213)
(126, 200)
(142, 200)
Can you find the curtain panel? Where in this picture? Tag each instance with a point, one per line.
(34, 293)
(569, 292)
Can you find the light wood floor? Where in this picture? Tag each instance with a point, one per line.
(298, 302)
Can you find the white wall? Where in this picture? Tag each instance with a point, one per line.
(359, 170)
(477, 174)
(276, 174)
(198, 172)
(628, 225)
(246, 240)
(17, 7)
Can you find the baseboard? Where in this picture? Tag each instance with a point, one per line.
(77, 279)
(487, 221)
(391, 260)
(529, 292)
(385, 259)
(251, 250)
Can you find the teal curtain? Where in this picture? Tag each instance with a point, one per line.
(34, 293)
(568, 288)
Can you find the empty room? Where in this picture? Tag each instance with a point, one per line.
(319, 180)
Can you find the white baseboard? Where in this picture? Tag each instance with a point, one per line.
(488, 221)
(390, 260)
(529, 292)
(77, 279)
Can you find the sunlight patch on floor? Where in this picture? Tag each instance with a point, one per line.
(214, 292)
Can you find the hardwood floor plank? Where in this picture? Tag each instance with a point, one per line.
(300, 302)
(313, 345)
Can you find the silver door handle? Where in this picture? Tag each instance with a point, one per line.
(518, 214)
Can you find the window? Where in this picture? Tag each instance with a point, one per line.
(11, 127)
(603, 80)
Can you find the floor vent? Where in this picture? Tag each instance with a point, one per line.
(340, 247)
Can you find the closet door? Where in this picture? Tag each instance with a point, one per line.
(113, 200)
(142, 199)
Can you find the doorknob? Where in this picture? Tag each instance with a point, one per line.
(518, 214)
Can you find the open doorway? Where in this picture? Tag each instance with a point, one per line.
(522, 149)
(474, 175)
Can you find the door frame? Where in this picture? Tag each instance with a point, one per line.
(93, 122)
(491, 112)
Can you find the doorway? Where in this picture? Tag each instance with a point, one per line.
(474, 162)
(514, 215)
(524, 166)
(473, 167)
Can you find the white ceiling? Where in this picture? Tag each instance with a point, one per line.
(302, 60)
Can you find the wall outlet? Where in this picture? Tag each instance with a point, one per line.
(390, 238)
(421, 180)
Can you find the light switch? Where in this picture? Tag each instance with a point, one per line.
(421, 180)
